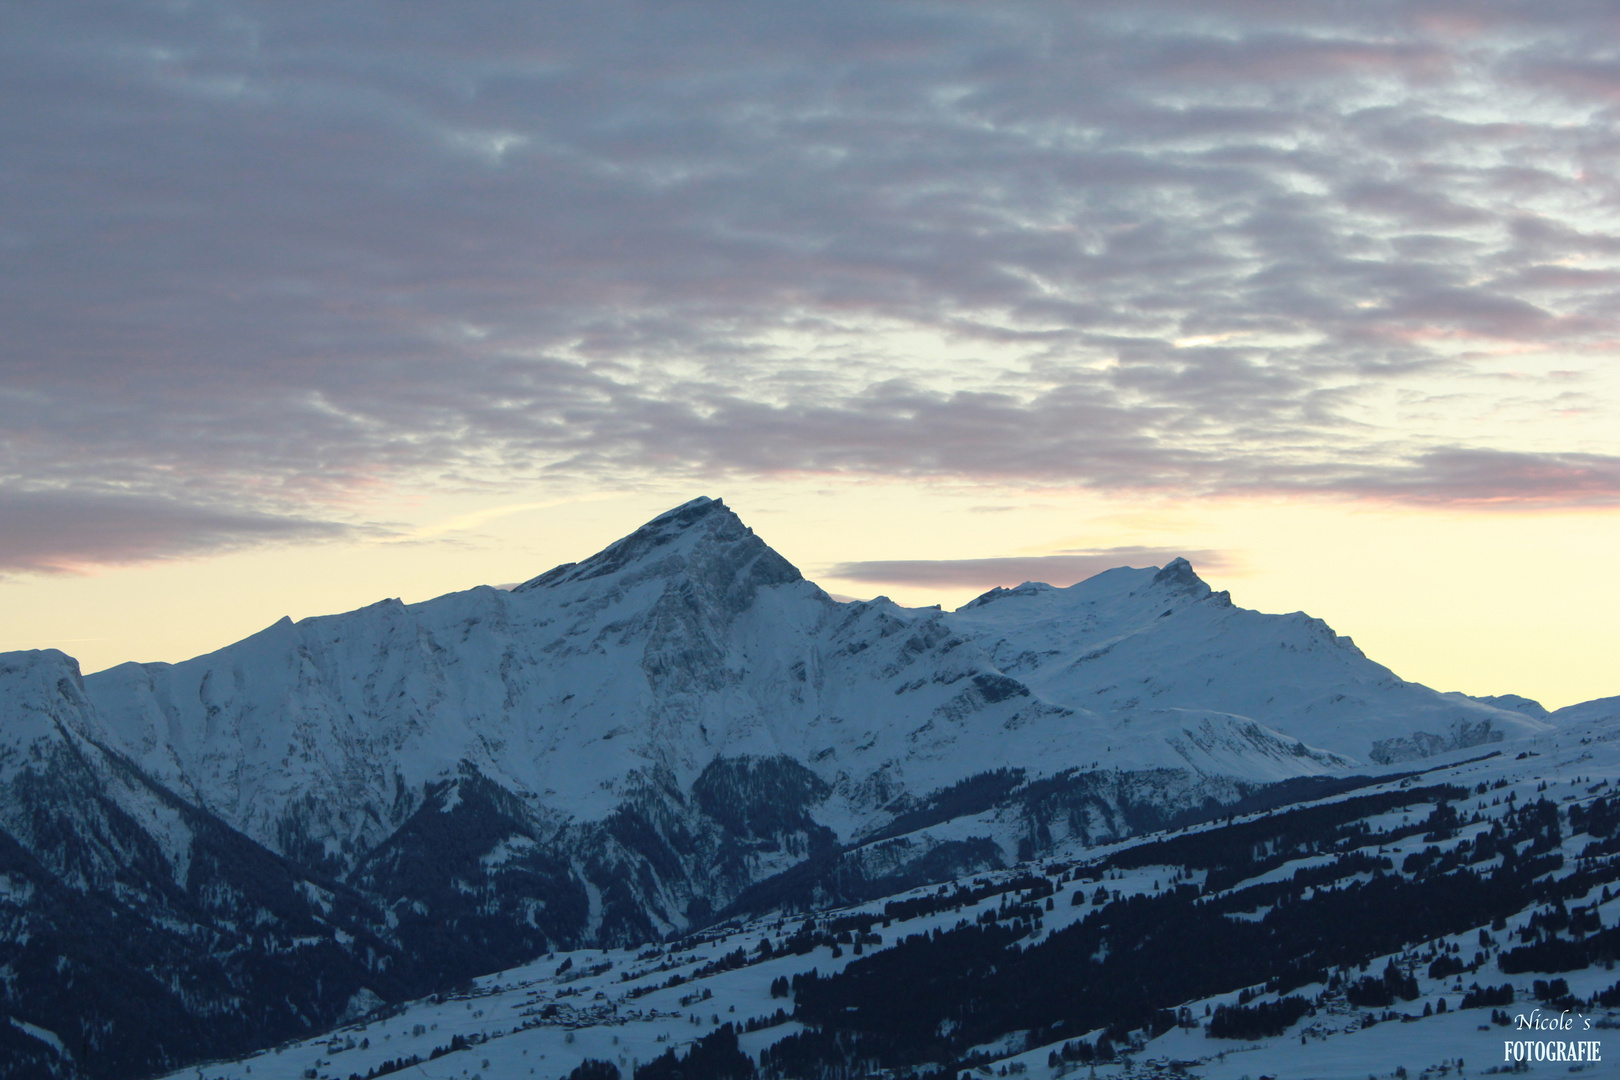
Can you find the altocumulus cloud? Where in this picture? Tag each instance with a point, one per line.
(271, 256)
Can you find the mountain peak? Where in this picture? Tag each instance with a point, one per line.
(702, 523)
(690, 510)
(1178, 576)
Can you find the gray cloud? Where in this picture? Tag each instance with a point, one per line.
(55, 532)
(1462, 476)
(1062, 570)
(275, 255)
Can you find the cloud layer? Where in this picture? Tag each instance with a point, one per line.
(1061, 570)
(271, 257)
(68, 531)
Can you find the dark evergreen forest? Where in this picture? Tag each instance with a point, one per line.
(1129, 963)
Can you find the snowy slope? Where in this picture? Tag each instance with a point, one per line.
(628, 1006)
(131, 921)
(1134, 642)
(1588, 711)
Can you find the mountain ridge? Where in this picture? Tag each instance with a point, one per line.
(690, 597)
(618, 749)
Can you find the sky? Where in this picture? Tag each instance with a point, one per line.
(308, 305)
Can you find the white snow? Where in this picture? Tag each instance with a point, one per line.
(596, 1015)
(690, 639)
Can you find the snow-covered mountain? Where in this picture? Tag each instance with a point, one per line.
(136, 929)
(1470, 920)
(1139, 644)
(690, 640)
(624, 748)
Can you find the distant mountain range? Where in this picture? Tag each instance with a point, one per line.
(205, 857)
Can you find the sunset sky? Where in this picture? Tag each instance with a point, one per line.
(307, 305)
